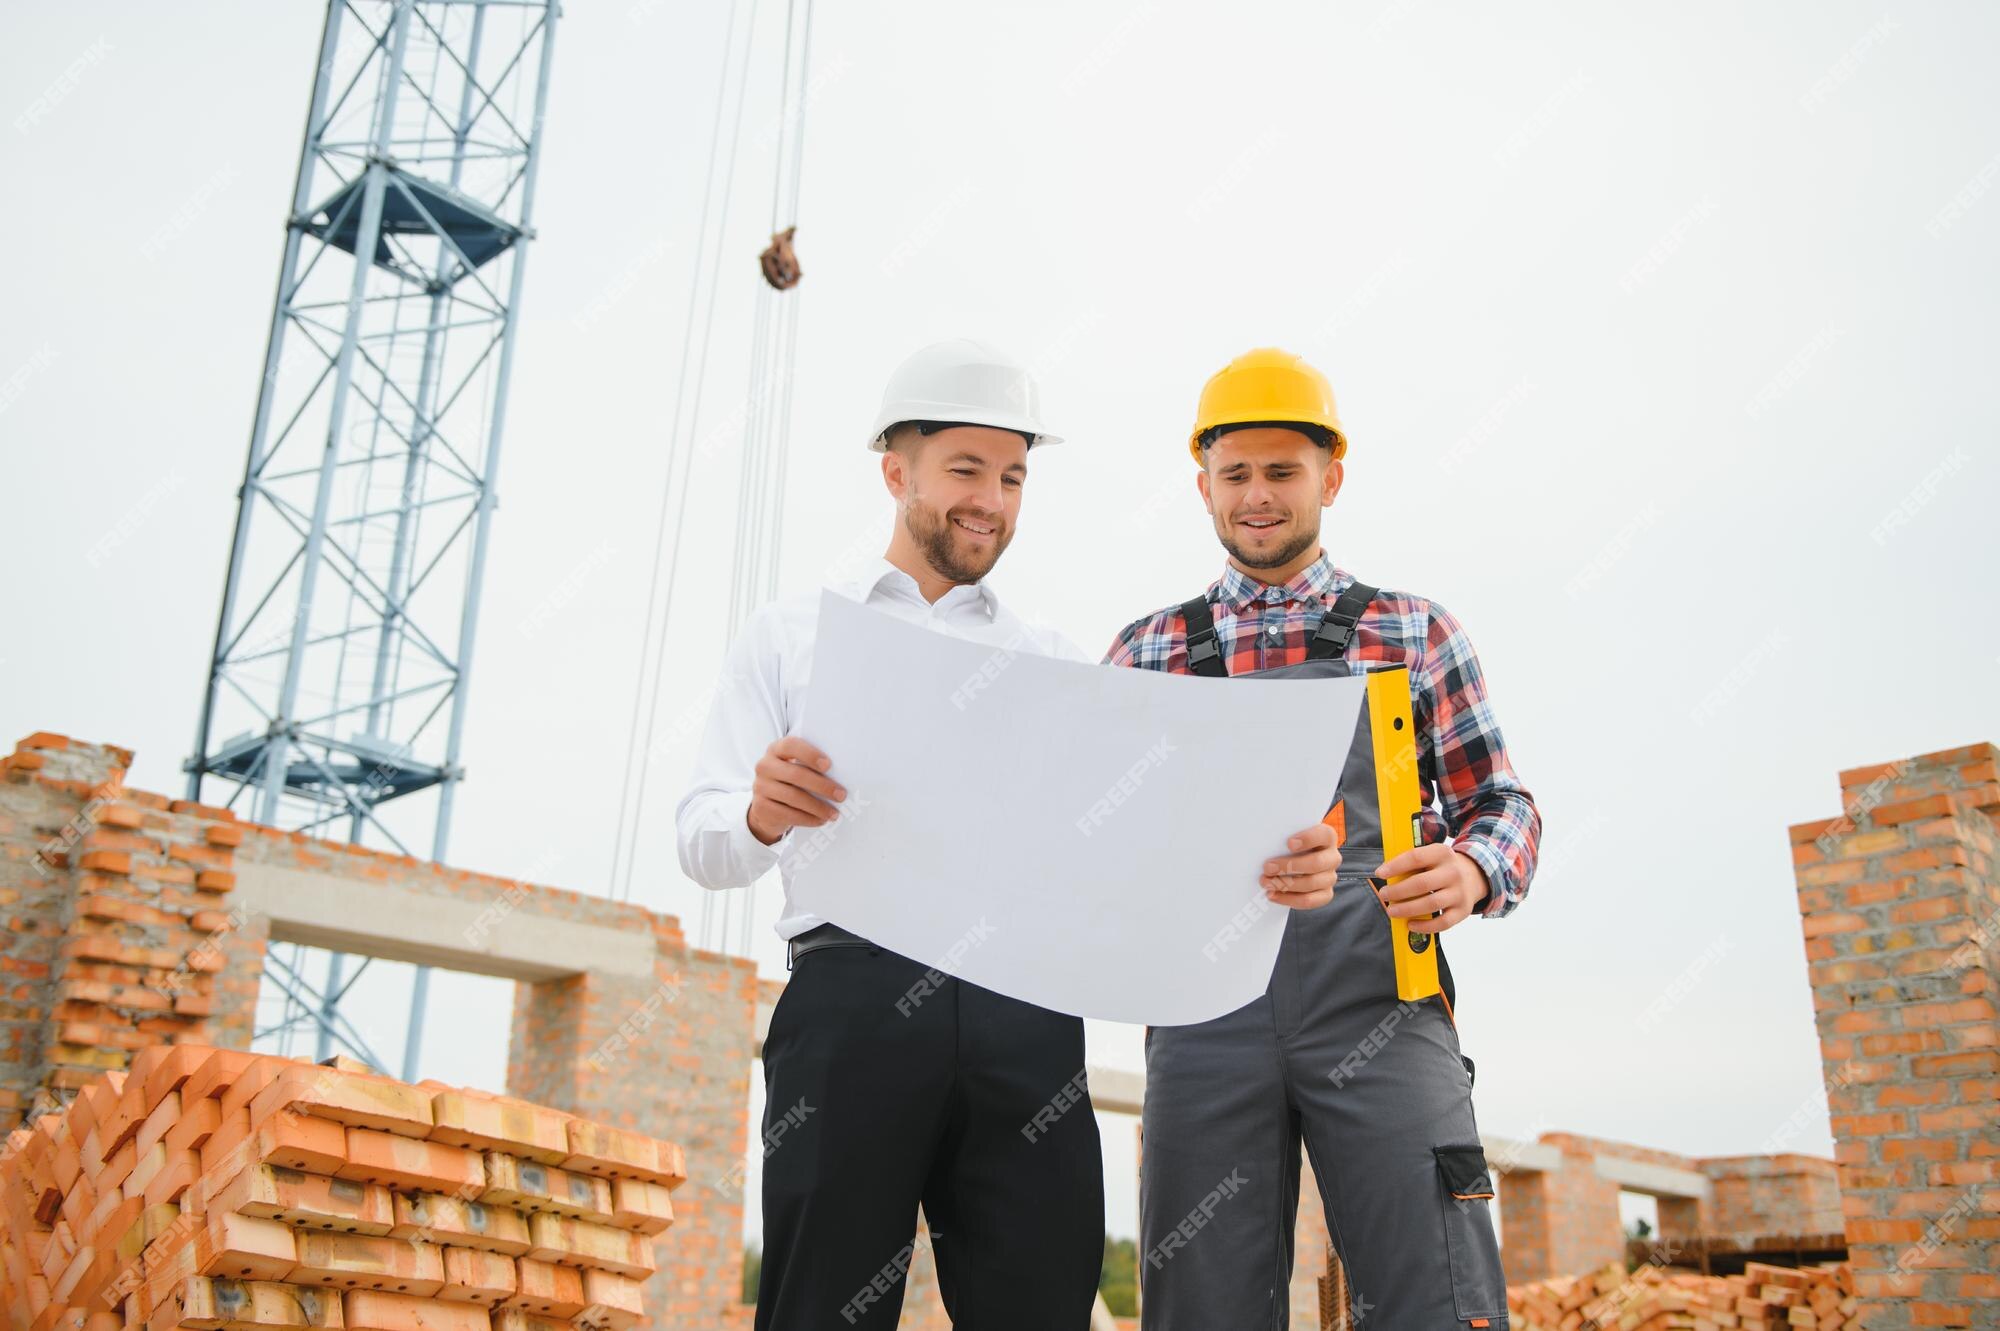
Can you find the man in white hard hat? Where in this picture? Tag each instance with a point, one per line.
(887, 1083)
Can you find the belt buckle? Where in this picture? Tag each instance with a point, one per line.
(792, 945)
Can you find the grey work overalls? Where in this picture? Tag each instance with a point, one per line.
(1375, 1087)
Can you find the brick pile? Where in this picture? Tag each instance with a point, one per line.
(204, 1188)
(1654, 1298)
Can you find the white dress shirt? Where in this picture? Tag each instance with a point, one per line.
(757, 702)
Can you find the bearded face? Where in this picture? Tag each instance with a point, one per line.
(961, 543)
(962, 497)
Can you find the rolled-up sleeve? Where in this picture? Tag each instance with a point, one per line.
(747, 713)
(1489, 814)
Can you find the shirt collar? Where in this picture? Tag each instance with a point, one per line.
(1318, 581)
(881, 570)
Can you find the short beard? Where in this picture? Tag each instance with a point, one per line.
(932, 533)
(1291, 550)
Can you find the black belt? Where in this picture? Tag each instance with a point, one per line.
(825, 935)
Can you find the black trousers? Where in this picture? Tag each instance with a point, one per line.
(888, 1084)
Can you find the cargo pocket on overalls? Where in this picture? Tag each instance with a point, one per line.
(1465, 1191)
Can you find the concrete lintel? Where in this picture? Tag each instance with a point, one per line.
(1654, 1180)
(1116, 1090)
(398, 923)
(1508, 1155)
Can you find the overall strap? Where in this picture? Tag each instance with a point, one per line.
(1204, 656)
(1336, 626)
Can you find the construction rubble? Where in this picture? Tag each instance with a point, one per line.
(207, 1188)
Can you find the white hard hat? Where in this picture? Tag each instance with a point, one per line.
(963, 381)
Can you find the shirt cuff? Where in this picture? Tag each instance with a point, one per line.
(1490, 864)
(744, 847)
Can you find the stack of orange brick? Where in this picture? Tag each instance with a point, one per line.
(206, 1188)
(1654, 1298)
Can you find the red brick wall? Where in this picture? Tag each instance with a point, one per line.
(1769, 1194)
(1560, 1221)
(117, 901)
(1309, 1244)
(672, 1058)
(1680, 1217)
(38, 901)
(1524, 1225)
(923, 1306)
(1900, 903)
(1575, 1143)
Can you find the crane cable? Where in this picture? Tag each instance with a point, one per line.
(768, 408)
(652, 657)
(767, 417)
(773, 343)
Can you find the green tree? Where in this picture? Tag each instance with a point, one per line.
(1118, 1282)
(753, 1266)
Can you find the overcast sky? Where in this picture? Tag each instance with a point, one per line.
(1665, 340)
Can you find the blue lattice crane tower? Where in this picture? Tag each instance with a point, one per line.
(344, 647)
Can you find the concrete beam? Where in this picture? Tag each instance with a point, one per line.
(1116, 1091)
(344, 914)
(1654, 1180)
(1507, 1155)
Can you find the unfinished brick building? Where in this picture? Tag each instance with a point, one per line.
(1560, 1197)
(136, 919)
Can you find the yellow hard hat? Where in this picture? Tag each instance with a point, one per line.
(1267, 387)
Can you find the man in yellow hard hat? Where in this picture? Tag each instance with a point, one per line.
(1375, 1088)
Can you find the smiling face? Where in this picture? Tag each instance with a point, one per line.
(959, 492)
(1264, 486)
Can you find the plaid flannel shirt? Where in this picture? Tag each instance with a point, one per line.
(1469, 789)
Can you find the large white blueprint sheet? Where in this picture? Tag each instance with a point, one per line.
(1083, 837)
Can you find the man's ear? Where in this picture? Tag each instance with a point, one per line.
(896, 473)
(1330, 483)
(1201, 484)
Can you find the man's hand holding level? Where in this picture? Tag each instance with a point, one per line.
(1441, 890)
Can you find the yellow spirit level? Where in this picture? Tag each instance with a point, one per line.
(1398, 802)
